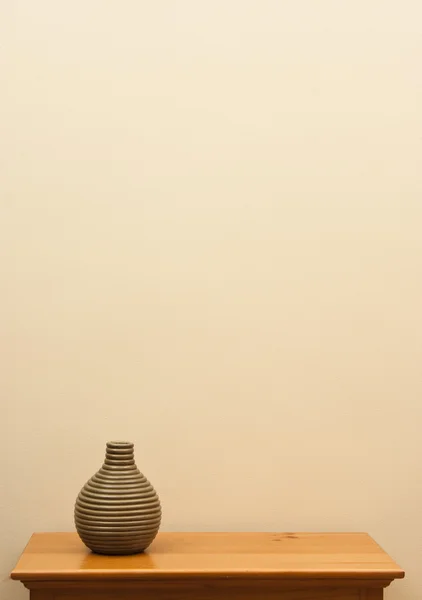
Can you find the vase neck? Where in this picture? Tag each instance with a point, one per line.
(119, 453)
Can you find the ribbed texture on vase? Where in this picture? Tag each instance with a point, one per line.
(118, 511)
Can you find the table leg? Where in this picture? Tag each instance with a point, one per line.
(374, 594)
(41, 595)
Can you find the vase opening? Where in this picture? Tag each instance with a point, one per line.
(119, 444)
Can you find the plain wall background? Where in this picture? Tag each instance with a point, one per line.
(211, 245)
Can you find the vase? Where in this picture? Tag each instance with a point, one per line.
(118, 511)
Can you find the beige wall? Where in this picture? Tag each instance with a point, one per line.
(211, 241)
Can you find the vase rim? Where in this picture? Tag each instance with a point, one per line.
(119, 443)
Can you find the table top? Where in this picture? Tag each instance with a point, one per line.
(62, 556)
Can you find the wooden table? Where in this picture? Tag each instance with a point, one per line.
(208, 566)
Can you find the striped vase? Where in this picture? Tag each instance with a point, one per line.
(118, 511)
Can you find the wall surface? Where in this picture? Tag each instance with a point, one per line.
(211, 245)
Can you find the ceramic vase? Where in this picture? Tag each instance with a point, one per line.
(118, 511)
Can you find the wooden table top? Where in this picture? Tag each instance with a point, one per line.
(62, 556)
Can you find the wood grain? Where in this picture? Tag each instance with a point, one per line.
(55, 556)
(211, 566)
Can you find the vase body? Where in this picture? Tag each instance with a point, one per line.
(118, 511)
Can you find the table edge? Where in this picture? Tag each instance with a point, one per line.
(270, 575)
